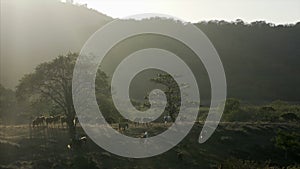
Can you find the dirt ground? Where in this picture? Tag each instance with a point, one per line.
(22, 147)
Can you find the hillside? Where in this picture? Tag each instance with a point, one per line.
(33, 32)
(261, 60)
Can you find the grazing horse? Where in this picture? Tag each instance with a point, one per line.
(167, 119)
(137, 121)
(52, 120)
(63, 119)
(146, 121)
(123, 126)
(49, 120)
(75, 121)
(38, 121)
(56, 119)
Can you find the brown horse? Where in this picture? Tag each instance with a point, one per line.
(63, 120)
(52, 120)
(38, 121)
(123, 126)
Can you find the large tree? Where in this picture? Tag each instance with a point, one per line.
(172, 92)
(52, 82)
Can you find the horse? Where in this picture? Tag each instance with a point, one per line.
(167, 119)
(63, 119)
(52, 120)
(137, 121)
(38, 121)
(145, 121)
(75, 121)
(123, 126)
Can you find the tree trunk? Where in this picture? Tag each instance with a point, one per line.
(71, 128)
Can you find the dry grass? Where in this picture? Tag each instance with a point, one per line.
(42, 147)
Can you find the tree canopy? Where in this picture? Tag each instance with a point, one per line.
(51, 82)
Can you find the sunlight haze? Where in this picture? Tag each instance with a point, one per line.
(275, 11)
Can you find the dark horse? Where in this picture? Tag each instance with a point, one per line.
(38, 121)
(52, 120)
(123, 126)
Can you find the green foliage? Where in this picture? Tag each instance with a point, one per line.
(50, 85)
(290, 117)
(288, 142)
(277, 104)
(278, 111)
(172, 92)
(232, 111)
(231, 105)
(235, 163)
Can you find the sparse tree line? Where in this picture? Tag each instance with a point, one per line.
(276, 112)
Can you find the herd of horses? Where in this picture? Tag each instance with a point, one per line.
(51, 121)
(146, 122)
(40, 122)
(61, 120)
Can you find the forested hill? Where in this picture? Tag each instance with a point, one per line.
(261, 60)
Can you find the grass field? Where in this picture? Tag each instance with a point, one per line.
(23, 147)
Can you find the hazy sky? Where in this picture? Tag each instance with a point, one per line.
(276, 11)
